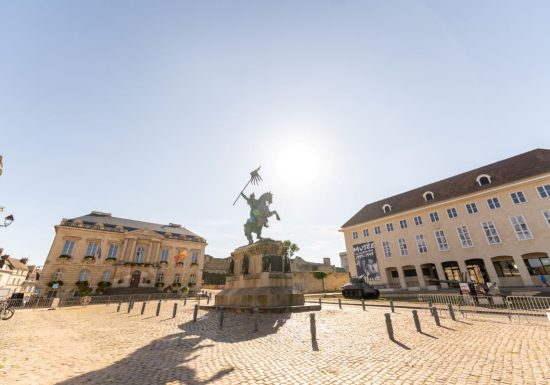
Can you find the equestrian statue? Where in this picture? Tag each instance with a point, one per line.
(259, 214)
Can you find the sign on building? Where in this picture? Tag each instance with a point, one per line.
(366, 261)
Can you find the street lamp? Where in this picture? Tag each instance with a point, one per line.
(8, 221)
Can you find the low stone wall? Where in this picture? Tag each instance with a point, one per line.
(306, 283)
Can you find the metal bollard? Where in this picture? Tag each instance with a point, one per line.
(118, 307)
(436, 316)
(451, 312)
(391, 306)
(416, 321)
(312, 327)
(320, 302)
(195, 313)
(340, 303)
(143, 307)
(184, 301)
(389, 326)
(221, 318)
(158, 308)
(175, 310)
(129, 306)
(208, 300)
(255, 319)
(363, 304)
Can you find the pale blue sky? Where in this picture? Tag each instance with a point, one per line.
(158, 110)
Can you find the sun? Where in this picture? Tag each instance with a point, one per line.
(298, 163)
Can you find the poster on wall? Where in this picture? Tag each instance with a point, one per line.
(365, 261)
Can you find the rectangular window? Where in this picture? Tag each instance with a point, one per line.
(434, 217)
(538, 266)
(421, 243)
(546, 215)
(518, 197)
(354, 235)
(471, 208)
(493, 203)
(68, 247)
(194, 257)
(403, 223)
(506, 268)
(452, 213)
(164, 255)
(544, 191)
(387, 250)
(92, 247)
(521, 228)
(464, 236)
(441, 240)
(377, 230)
(490, 232)
(113, 249)
(365, 232)
(160, 278)
(418, 220)
(403, 247)
(409, 273)
(389, 226)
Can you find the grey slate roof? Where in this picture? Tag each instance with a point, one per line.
(526, 165)
(130, 224)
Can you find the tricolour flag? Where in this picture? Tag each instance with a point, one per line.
(98, 254)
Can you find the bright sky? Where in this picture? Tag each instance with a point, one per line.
(158, 111)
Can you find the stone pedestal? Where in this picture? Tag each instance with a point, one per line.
(261, 278)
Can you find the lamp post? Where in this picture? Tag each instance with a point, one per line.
(8, 221)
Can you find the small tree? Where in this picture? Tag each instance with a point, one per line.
(291, 248)
(320, 275)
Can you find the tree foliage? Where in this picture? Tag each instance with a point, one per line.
(291, 248)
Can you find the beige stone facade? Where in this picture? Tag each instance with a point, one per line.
(105, 251)
(498, 231)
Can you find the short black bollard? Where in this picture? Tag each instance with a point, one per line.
(320, 302)
(132, 305)
(143, 307)
(184, 301)
(451, 312)
(221, 318)
(256, 319)
(195, 313)
(391, 306)
(208, 300)
(389, 326)
(363, 304)
(312, 327)
(129, 306)
(158, 308)
(340, 303)
(416, 321)
(117, 308)
(436, 316)
(175, 310)
(431, 305)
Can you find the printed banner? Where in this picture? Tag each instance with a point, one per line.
(366, 262)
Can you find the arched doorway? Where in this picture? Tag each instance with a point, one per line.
(134, 282)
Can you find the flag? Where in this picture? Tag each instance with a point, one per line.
(98, 254)
(182, 254)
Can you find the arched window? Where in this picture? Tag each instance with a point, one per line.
(58, 275)
(428, 196)
(483, 179)
(386, 208)
(84, 274)
(177, 278)
(106, 277)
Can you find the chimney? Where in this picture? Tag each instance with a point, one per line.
(24, 260)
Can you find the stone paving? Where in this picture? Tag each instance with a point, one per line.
(97, 345)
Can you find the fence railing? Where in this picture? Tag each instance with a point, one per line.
(38, 303)
(509, 306)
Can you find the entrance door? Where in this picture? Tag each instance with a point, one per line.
(134, 282)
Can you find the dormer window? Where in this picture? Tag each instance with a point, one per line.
(483, 180)
(428, 196)
(386, 208)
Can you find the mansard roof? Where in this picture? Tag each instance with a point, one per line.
(516, 168)
(131, 225)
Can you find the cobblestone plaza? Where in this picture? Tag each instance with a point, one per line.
(98, 345)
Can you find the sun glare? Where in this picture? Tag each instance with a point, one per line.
(298, 163)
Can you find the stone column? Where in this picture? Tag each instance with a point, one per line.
(420, 277)
(491, 271)
(463, 269)
(401, 278)
(525, 276)
(441, 275)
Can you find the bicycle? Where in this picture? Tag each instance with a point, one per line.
(6, 311)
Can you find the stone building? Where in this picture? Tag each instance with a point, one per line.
(13, 273)
(299, 264)
(488, 224)
(99, 252)
(344, 261)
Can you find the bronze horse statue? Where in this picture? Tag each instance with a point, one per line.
(259, 214)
